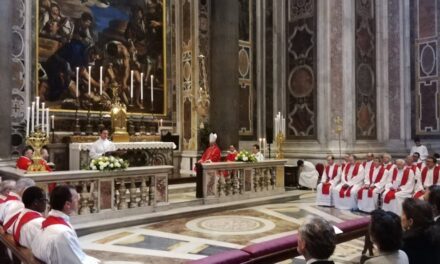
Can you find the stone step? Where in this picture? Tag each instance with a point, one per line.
(181, 188)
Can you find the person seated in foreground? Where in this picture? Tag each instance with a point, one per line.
(12, 207)
(352, 179)
(29, 220)
(257, 153)
(316, 240)
(25, 160)
(433, 198)
(213, 152)
(428, 176)
(419, 232)
(386, 234)
(330, 178)
(400, 185)
(308, 175)
(232, 153)
(374, 183)
(57, 242)
(101, 146)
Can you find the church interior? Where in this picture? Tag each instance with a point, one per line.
(219, 131)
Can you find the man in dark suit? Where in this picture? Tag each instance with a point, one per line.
(316, 240)
(434, 201)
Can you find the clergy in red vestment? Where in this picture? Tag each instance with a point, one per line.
(429, 175)
(232, 153)
(26, 159)
(212, 153)
(330, 178)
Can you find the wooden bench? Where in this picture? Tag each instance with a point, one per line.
(20, 254)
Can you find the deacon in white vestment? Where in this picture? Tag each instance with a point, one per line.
(102, 145)
(427, 177)
(400, 185)
(374, 183)
(308, 175)
(352, 179)
(257, 153)
(330, 178)
(57, 242)
(419, 148)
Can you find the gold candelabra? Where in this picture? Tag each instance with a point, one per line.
(280, 139)
(37, 140)
(203, 100)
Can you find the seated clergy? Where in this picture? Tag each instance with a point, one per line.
(387, 162)
(25, 159)
(429, 176)
(213, 152)
(368, 162)
(232, 153)
(10, 210)
(345, 161)
(102, 145)
(257, 153)
(417, 161)
(308, 175)
(29, 220)
(330, 178)
(352, 179)
(374, 183)
(409, 164)
(57, 242)
(400, 185)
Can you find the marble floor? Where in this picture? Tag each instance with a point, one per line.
(195, 237)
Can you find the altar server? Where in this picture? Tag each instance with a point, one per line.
(428, 176)
(213, 152)
(29, 220)
(400, 185)
(102, 145)
(374, 183)
(421, 149)
(330, 178)
(57, 242)
(352, 178)
(257, 153)
(308, 175)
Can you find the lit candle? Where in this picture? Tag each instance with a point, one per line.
(90, 79)
(47, 123)
(42, 117)
(284, 126)
(32, 116)
(259, 142)
(152, 95)
(77, 82)
(264, 147)
(142, 86)
(53, 121)
(37, 113)
(161, 122)
(100, 80)
(131, 86)
(28, 113)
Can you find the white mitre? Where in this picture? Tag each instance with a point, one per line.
(212, 138)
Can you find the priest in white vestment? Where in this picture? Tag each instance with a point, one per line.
(421, 149)
(428, 176)
(102, 145)
(387, 162)
(257, 153)
(352, 179)
(374, 183)
(417, 161)
(330, 178)
(57, 242)
(400, 185)
(308, 175)
(29, 220)
(414, 167)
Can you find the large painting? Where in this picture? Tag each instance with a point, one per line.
(93, 52)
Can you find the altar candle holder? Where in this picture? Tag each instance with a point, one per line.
(77, 129)
(37, 140)
(89, 127)
(101, 121)
(280, 141)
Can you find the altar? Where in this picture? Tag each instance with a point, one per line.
(137, 153)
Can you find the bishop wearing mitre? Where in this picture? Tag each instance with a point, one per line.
(213, 152)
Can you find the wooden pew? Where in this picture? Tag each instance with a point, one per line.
(21, 254)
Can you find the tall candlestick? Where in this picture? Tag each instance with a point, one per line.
(100, 80)
(259, 142)
(33, 117)
(37, 113)
(77, 82)
(264, 147)
(42, 117)
(142, 86)
(161, 122)
(28, 114)
(90, 80)
(53, 121)
(131, 86)
(47, 123)
(152, 94)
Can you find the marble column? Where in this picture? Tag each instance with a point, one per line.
(224, 117)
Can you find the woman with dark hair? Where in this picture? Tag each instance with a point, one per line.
(418, 237)
(386, 234)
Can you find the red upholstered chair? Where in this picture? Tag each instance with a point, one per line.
(320, 168)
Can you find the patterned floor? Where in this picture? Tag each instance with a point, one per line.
(180, 240)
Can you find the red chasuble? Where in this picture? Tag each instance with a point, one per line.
(327, 184)
(23, 163)
(212, 153)
(391, 194)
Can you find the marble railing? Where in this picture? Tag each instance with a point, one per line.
(240, 179)
(108, 194)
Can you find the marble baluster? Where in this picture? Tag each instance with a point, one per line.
(266, 179)
(235, 182)
(84, 200)
(133, 195)
(123, 196)
(255, 180)
(144, 193)
(151, 191)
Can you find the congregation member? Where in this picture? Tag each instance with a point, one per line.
(11, 208)
(417, 161)
(386, 234)
(419, 148)
(102, 145)
(25, 160)
(232, 153)
(434, 200)
(316, 240)
(213, 152)
(330, 178)
(57, 242)
(352, 178)
(31, 217)
(308, 175)
(374, 183)
(418, 236)
(257, 153)
(387, 162)
(368, 162)
(400, 185)
(428, 176)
